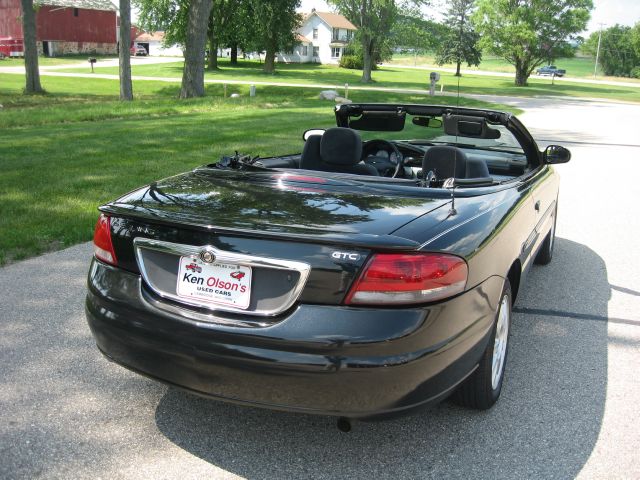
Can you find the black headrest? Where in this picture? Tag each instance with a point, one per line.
(477, 168)
(445, 162)
(312, 142)
(310, 157)
(341, 146)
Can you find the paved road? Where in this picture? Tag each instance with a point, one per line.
(108, 62)
(53, 71)
(46, 69)
(570, 404)
(50, 73)
(339, 88)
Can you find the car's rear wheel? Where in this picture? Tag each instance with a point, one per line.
(482, 389)
(545, 254)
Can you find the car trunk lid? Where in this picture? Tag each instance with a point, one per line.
(329, 224)
(276, 202)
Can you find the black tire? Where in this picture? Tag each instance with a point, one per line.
(545, 254)
(478, 391)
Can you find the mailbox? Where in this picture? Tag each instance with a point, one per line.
(92, 60)
(433, 78)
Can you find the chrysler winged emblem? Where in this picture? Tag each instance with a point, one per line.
(207, 256)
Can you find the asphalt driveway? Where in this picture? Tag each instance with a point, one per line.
(570, 404)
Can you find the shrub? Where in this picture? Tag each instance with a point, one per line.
(353, 62)
(635, 72)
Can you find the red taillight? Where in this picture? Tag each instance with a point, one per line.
(399, 278)
(102, 246)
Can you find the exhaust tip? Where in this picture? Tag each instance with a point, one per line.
(344, 424)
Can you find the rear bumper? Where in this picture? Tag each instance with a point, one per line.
(330, 360)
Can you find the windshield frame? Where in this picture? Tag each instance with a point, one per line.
(530, 149)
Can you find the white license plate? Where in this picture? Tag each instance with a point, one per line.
(216, 283)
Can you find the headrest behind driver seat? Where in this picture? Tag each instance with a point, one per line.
(341, 146)
(445, 162)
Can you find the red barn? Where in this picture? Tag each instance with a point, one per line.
(63, 26)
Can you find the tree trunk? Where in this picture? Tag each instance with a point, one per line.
(366, 59)
(32, 73)
(193, 72)
(213, 49)
(459, 44)
(124, 55)
(521, 75)
(234, 54)
(270, 59)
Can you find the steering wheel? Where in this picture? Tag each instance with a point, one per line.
(381, 163)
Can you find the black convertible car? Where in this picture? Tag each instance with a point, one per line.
(362, 277)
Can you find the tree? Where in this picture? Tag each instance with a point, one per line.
(238, 30)
(412, 31)
(527, 32)
(32, 72)
(219, 21)
(460, 44)
(227, 22)
(124, 54)
(169, 16)
(274, 24)
(635, 38)
(374, 19)
(619, 52)
(195, 41)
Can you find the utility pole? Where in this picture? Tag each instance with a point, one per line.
(595, 68)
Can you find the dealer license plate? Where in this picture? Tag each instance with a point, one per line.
(215, 283)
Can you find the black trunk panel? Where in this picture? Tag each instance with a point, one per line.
(328, 282)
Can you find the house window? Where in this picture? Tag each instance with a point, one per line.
(336, 34)
(315, 33)
(335, 52)
(305, 51)
(75, 12)
(316, 51)
(349, 35)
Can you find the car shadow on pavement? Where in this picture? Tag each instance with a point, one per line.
(545, 425)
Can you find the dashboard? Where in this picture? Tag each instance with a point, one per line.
(501, 164)
(392, 157)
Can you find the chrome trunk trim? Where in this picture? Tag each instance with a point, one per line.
(141, 244)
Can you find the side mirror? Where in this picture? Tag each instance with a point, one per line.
(312, 131)
(556, 154)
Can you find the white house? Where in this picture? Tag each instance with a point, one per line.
(152, 42)
(321, 39)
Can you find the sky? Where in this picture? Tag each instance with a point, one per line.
(609, 12)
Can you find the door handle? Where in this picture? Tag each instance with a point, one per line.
(537, 206)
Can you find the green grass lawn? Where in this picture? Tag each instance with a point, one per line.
(386, 77)
(64, 153)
